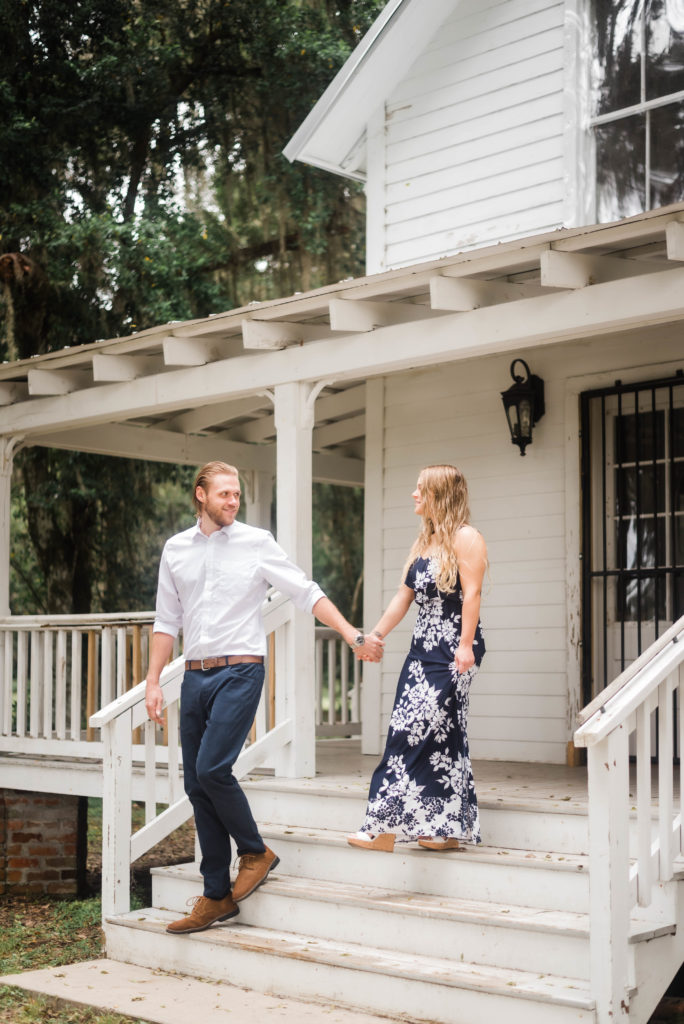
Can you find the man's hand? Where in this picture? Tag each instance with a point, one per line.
(153, 701)
(372, 648)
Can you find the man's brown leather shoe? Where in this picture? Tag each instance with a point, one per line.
(205, 912)
(253, 872)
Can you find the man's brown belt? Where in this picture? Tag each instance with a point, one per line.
(230, 659)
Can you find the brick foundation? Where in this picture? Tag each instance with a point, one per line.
(41, 843)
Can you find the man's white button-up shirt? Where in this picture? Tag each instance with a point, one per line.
(213, 586)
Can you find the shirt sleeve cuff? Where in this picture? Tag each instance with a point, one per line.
(314, 596)
(165, 627)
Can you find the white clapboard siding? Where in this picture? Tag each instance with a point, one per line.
(473, 149)
(520, 701)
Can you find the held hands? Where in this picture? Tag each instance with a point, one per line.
(372, 648)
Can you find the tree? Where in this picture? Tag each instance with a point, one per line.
(144, 182)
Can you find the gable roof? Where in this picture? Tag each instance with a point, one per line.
(332, 135)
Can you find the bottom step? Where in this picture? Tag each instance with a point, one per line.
(398, 984)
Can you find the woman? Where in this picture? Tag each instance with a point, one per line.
(423, 788)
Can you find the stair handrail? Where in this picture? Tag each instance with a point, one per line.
(118, 720)
(620, 885)
(606, 695)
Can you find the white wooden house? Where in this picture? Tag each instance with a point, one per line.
(490, 156)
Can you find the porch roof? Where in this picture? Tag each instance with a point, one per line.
(188, 391)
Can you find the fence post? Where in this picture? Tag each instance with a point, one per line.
(116, 816)
(609, 904)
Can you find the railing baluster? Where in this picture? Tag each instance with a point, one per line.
(106, 677)
(60, 685)
(48, 683)
(643, 753)
(665, 769)
(76, 671)
(175, 789)
(332, 679)
(91, 682)
(319, 680)
(5, 682)
(9, 682)
(35, 681)
(150, 771)
(120, 660)
(680, 726)
(22, 673)
(356, 692)
(344, 681)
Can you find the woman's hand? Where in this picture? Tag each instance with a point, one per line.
(372, 649)
(463, 658)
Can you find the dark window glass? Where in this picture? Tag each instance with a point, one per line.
(642, 490)
(620, 168)
(667, 155)
(637, 539)
(678, 434)
(616, 74)
(664, 31)
(639, 438)
(636, 599)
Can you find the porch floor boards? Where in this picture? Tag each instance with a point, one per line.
(340, 766)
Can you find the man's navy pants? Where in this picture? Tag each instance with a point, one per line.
(217, 710)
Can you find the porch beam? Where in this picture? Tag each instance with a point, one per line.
(57, 382)
(579, 269)
(190, 351)
(339, 432)
(674, 238)
(329, 468)
(547, 320)
(155, 445)
(13, 391)
(277, 334)
(342, 403)
(115, 368)
(463, 293)
(194, 420)
(366, 315)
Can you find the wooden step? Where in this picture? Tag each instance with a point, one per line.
(552, 881)
(501, 935)
(408, 985)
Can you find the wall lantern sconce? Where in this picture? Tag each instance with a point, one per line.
(524, 405)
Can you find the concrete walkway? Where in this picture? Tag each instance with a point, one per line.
(163, 998)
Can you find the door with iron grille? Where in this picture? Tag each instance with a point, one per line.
(632, 522)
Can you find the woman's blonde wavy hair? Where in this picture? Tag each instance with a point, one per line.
(445, 509)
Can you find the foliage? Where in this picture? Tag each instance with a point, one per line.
(338, 551)
(144, 182)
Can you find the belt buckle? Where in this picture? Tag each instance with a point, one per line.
(202, 665)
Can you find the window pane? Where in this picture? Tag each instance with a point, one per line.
(636, 599)
(678, 432)
(651, 440)
(616, 77)
(636, 547)
(638, 493)
(664, 47)
(667, 155)
(620, 171)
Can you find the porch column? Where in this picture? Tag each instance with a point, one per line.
(371, 692)
(8, 445)
(258, 498)
(295, 689)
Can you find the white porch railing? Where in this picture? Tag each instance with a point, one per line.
(639, 713)
(118, 721)
(56, 670)
(338, 686)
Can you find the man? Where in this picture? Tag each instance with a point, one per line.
(212, 582)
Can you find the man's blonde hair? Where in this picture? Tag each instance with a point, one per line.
(207, 473)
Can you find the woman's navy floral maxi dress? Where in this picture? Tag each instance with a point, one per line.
(424, 784)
